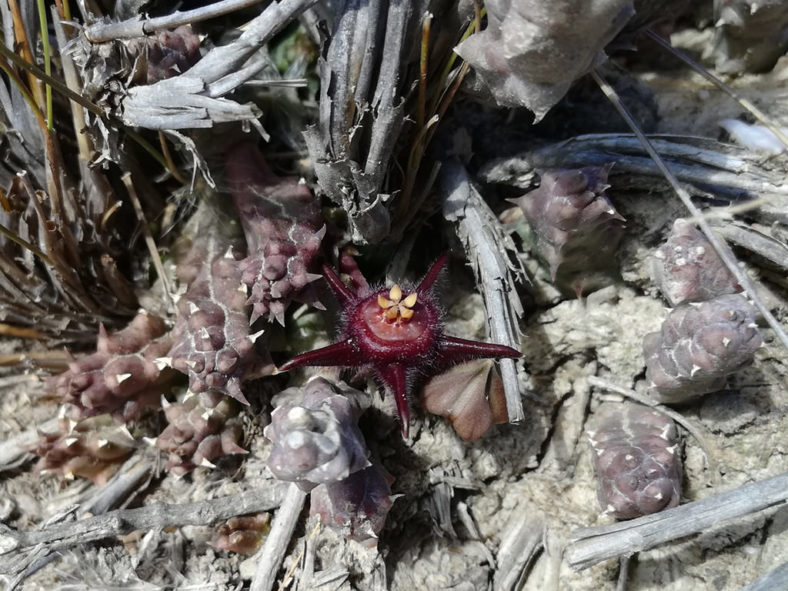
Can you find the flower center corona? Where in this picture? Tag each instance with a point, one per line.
(394, 307)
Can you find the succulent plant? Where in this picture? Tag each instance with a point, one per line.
(201, 428)
(698, 346)
(576, 228)
(469, 395)
(212, 342)
(317, 440)
(687, 269)
(93, 448)
(399, 333)
(283, 226)
(243, 535)
(357, 506)
(169, 53)
(637, 460)
(122, 377)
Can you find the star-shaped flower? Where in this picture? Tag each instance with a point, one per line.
(401, 338)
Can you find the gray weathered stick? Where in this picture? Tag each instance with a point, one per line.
(269, 558)
(519, 545)
(594, 544)
(133, 476)
(772, 581)
(766, 246)
(139, 27)
(486, 245)
(157, 515)
(729, 169)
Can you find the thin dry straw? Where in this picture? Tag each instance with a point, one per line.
(746, 104)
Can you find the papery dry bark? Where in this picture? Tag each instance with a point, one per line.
(698, 346)
(370, 65)
(637, 457)
(531, 52)
(470, 396)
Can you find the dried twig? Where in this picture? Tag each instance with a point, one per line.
(594, 544)
(726, 169)
(138, 27)
(123, 521)
(771, 581)
(744, 102)
(754, 241)
(133, 476)
(270, 556)
(519, 545)
(191, 100)
(149, 240)
(486, 245)
(14, 450)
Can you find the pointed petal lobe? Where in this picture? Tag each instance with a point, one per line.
(394, 377)
(342, 353)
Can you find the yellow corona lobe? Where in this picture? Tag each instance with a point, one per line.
(395, 307)
(396, 293)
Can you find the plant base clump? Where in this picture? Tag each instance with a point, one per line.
(356, 506)
(317, 440)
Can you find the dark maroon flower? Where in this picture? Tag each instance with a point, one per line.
(399, 333)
